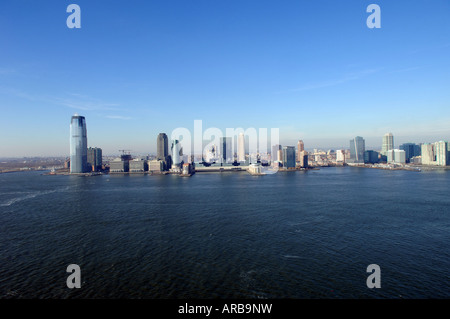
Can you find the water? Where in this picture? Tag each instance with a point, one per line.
(230, 235)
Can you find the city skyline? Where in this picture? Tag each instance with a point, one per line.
(313, 70)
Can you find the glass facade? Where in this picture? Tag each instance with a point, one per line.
(357, 149)
(78, 145)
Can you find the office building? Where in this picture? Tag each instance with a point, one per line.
(275, 153)
(241, 148)
(411, 150)
(441, 153)
(94, 159)
(357, 149)
(155, 166)
(388, 143)
(226, 150)
(371, 157)
(289, 157)
(177, 154)
(300, 148)
(138, 165)
(427, 153)
(78, 145)
(303, 159)
(119, 165)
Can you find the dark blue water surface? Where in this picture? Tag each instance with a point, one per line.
(230, 235)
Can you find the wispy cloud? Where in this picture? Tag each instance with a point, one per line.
(72, 100)
(118, 117)
(329, 83)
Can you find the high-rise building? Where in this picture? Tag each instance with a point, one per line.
(427, 153)
(289, 157)
(94, 158)
(357, 149)
(177, 153)
(78, 144)
(441, 153)
(274, 154)
(303, 159)
(411, 150)
(388, 143)
(225, 150)
(300, 149)
(371, 157)
(162, 145)
(241, 147)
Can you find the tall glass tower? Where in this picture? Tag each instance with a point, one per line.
(357, 149)
(78, 144)
(388, 143)
(162, 147)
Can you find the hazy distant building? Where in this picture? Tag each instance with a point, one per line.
(94, 158)
(241, 148)
(357, 149)
(388, 143)
(78, 144)
(340, 156)
(275, 153)
(300, 148)
(289, 157)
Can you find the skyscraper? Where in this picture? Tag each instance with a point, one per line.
(274, 154)
(289, 157)
(225, 150)
(441, 152)
(78, 144)
(411, 150)
(300, 149)
(241, 147)
(162, 145)
(388, 143)
(357, 149)
(94, 158)
(176, 153)
(428, 154)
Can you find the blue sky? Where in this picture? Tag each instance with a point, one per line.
(136, 68)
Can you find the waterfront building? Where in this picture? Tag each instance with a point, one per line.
(138, 165)
(340, 156)
(371, 157)
(399, 156)
(357, 149)
(241, 148)
(119, 165)
(289, 157)
(177, 154)
(94, 158)
(388, 143)
(441, 153)
(162, 150)
(274, 155)
(427, 153)
(303, 159)
(300, 149)
(225, 150)
(78, 144)
(411, 150)
(155, 166)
